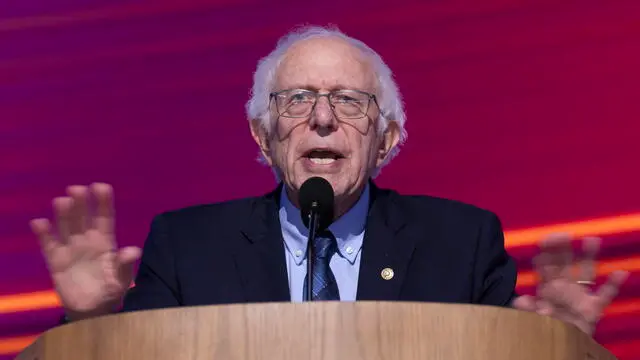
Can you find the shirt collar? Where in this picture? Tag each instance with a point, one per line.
(348, 229)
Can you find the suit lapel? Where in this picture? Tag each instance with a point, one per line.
(261, 263)
(386, 245)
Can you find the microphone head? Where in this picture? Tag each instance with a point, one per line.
(316, 193)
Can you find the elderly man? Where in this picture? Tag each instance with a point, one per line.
(323, 104)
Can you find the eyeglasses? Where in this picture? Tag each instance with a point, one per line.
(346, 104)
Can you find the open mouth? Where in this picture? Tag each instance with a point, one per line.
(323, 156)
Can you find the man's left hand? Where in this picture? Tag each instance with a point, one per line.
(566, 288)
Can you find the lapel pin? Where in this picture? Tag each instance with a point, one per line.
(387, 273)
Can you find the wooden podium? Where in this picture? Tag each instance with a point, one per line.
(328, 330)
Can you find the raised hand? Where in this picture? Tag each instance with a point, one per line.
(89, 272)
(565, 290)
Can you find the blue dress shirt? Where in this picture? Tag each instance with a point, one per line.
(345, 264)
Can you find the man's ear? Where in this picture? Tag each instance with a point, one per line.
(261, 137)
(390, 139)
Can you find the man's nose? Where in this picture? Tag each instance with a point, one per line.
(322, 115)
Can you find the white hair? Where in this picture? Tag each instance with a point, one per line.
(389, 97)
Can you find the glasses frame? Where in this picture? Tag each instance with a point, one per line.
(328, 95)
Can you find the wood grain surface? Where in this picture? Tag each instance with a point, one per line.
(328, 330)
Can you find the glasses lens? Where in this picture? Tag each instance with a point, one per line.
(295, 103)
(350, 104)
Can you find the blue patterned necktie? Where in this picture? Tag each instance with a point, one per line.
(324, 283)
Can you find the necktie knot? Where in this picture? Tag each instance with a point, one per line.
(325, 245)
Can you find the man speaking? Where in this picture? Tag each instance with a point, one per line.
(323, 105)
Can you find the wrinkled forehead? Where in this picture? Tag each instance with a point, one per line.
(325, 64)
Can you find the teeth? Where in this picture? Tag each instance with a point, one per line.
(322, 161)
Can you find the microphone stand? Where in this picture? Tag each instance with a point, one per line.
(313, 227)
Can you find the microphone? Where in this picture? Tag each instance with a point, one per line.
(316, 199)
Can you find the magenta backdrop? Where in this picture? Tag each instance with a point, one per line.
(527, 108)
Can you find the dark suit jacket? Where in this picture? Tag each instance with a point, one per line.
(233, 252)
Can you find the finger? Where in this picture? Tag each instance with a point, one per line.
(525, 302)
(558, 312)
(555, 259)
(544, 308)
(62, 210)
(126, 259)
(42, 229)
(568, 297)
(129, 254)
(79, 210)
(609, 290)
(590, 249)
(567, 316)
(103, 220)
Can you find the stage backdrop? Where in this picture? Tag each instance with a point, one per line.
(527, 108)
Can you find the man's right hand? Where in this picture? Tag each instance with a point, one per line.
(89, 272)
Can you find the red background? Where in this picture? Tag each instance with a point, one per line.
(527, 108)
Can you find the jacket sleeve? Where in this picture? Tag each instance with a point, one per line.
(156, 284)
(495, 270)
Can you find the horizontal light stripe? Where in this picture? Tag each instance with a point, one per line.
(627, 307)
(595, 227)
(529, 278)
(13, 345)
(114, 13)
(38, 300)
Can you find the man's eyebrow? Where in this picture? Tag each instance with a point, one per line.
(317, 89)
